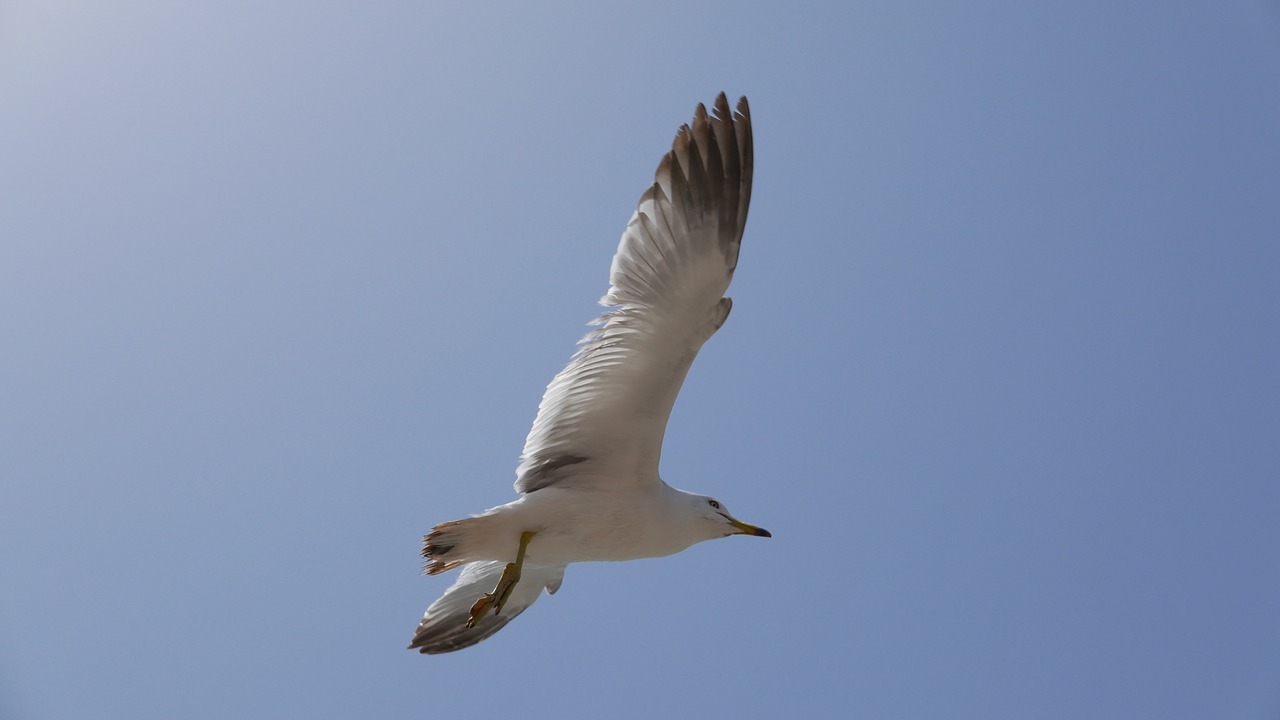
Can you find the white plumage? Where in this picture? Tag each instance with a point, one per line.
(588, 477)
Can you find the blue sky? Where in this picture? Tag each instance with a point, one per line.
(281, 285)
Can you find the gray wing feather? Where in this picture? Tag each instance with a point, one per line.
(667, 283)
(444, 627)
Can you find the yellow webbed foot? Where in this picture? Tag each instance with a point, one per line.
(510, 576)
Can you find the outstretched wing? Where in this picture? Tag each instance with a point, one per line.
(444, 627)
(605, 414)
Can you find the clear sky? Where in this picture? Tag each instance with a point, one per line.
(281, 285)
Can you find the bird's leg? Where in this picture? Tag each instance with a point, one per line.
(510, 576)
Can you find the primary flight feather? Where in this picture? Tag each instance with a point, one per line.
(588, 479)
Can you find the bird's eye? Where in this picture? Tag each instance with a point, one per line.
(714, 504)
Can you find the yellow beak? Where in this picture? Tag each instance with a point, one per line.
(745, 529)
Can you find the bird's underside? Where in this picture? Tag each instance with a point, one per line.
(602, 418)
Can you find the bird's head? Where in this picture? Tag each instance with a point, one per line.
(717, 522)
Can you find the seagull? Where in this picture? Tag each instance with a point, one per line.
(588, 479)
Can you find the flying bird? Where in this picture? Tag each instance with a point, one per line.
(588, 479)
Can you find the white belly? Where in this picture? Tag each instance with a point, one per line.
(577, 525)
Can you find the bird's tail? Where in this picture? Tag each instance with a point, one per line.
(457, 542)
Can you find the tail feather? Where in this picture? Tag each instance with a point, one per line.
(441, 541)
(458, 542)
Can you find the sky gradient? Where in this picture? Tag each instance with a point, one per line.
(281, 285)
